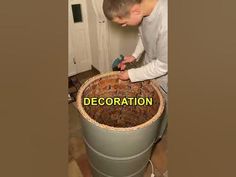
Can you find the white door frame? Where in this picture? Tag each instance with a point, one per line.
(79, 49)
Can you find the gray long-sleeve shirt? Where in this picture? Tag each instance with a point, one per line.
(154, 41)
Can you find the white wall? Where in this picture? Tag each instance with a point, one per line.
(122, 40)
(92, 22)
(128, 40)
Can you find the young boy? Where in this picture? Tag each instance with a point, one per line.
(151, 17)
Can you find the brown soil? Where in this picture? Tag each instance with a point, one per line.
(121, 116)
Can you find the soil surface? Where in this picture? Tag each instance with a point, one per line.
(121, 115)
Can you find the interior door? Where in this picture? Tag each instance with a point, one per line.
(79, 46)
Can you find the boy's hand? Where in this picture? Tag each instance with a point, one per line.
(127, 59)
(123, 75)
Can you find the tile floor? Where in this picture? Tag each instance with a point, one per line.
(78, 161)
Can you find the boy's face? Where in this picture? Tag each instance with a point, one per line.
(128, 21)
(134, 19)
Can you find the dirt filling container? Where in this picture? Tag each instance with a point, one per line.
(119, 138)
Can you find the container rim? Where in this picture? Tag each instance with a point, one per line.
(88, 118)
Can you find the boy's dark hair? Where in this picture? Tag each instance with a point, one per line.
(118, 8)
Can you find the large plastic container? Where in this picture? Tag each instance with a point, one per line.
(118, 151)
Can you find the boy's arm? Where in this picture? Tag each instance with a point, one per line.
(139, 48)
(150, 71)
(158, 67)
